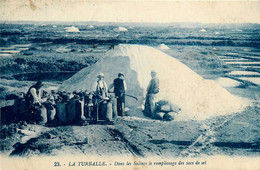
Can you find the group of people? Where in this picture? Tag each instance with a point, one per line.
(120, 88)
(101, 90)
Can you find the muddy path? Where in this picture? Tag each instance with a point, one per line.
(128, 137)
(236, 134)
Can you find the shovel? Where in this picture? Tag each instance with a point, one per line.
(128, 95)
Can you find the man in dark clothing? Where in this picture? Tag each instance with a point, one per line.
(33, 99)
(119, 85)
(152, 91)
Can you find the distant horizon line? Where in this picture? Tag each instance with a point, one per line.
(114, 22)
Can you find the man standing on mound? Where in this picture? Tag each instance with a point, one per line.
(119, 90)
(152, 91)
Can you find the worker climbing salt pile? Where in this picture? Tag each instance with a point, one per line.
(198, 98)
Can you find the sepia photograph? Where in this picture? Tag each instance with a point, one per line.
(127, 84)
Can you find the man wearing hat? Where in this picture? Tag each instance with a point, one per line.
(100, 88)
(119, 85)
(101, 94)
(152, 91)
(33, 98)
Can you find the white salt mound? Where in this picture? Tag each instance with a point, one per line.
(72, 29)
(90, 26)
(120, 29)
(163, 47)
(197, 97)
(203, 30)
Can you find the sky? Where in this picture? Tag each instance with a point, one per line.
(154, 11)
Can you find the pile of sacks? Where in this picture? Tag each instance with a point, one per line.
(59, 108)
(165, 110)
(63, 108)
(70, 108)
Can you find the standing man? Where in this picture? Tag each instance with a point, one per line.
(101, 95)
(119, 85)
(100, 88)
(152, 91)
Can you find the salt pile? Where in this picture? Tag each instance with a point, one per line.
(90, 27)
(163, 47)
(120, 29)
(238, 30)
(197, 97)
(203, 30)
(72, 29)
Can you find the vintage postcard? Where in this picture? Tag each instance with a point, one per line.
(129, 84)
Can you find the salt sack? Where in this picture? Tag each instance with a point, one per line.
(158, 115)
(114, 107)
(71, 110)
(170, 116)
(165, 106)
(80, 110)
(61, 112)
(51, 111)
(109, 112)
(20, 108)
(41, 115)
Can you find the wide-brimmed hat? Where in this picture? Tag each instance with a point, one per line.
(121, 74)
(101, 75)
